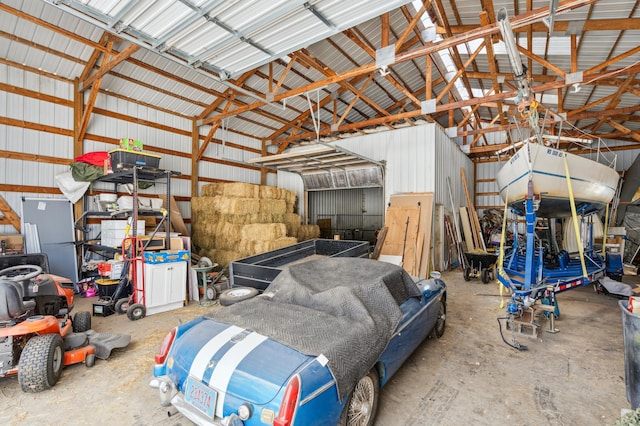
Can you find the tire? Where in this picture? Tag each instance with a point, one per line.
(237, 294)
(41, 363)
(82, 322)
(210, 293)
(122, 305)
(136, 311)
(362, 403)
(90, 360)
(467, 273)
(485, 276)
(441, 322)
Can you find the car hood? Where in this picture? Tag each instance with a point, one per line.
(232, 360)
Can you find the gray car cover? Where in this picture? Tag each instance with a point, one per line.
(344, 308)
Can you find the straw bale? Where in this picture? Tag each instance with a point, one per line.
(307, 232)
(211, 189)
(204, 241)
(241, 190)
(205, 204)
(239, 206)
(263, 246)
(273, 206)
(269, 192)
(223, 257)
(292, 221)
(240, 219)
(290, 199)
(263, 231)
(247, 248)
(230, 231)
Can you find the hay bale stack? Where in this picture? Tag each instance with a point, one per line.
(292, 221)
(272, 206)
(212, 189)
(233, 220)
(263, 231)
(308, 232)
(241, 190)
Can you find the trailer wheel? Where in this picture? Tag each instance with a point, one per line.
(485, 276)
(122, 305)
(237, 294)
(467, 273)
(82, 322)
(136, 311)
(41, 363)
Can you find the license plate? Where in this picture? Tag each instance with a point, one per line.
(200, 396)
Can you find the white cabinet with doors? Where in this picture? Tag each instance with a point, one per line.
(164, 286)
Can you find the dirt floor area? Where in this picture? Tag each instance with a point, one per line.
(470, 376)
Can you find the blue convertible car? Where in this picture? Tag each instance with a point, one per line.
(313, 349)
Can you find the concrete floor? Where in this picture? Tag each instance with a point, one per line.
(574, 377)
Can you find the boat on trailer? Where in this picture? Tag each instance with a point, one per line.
(542, 182)
(593, 183)
(533, 268)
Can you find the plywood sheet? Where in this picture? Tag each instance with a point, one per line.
(402, 225)
(424, 202)
(466, 228)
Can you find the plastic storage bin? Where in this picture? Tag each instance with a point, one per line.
(120, 158)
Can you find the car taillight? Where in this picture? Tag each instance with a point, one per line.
(161, 356)
(289, 403)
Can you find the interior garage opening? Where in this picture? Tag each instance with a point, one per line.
(350, 214)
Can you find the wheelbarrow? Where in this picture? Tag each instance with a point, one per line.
(480, 265)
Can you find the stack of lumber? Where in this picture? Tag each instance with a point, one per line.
(235, 220)
(407, 239)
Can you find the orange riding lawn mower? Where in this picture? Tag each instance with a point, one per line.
(38, 335)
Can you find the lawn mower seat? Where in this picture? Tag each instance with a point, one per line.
(12, 304)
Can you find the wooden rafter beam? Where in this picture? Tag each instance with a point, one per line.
(470, 102)
(10, 217)
(210, 134)
(353, 36)
(412, 24)
(493, 66)
(622, 24)
(105, 68)
(541, 61)
(355, 99)
(460, 71)
(516, 22)
(456, 56)
(227, 95)
(625, 130)
(303, 56)
(93, 95)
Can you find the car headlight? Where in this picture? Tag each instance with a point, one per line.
(244, 411)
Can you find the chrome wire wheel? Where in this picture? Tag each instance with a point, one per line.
(364, 401)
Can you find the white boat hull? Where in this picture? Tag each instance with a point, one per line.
(593, 184)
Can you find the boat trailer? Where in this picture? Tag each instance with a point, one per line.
(533, 274)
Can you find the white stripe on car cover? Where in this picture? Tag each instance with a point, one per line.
(208, 351)
(228, 364)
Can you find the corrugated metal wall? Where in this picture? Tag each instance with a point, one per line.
(354, 213)
(418, 159)
(167, 132)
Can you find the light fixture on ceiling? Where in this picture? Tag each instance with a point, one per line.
(576, 87)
